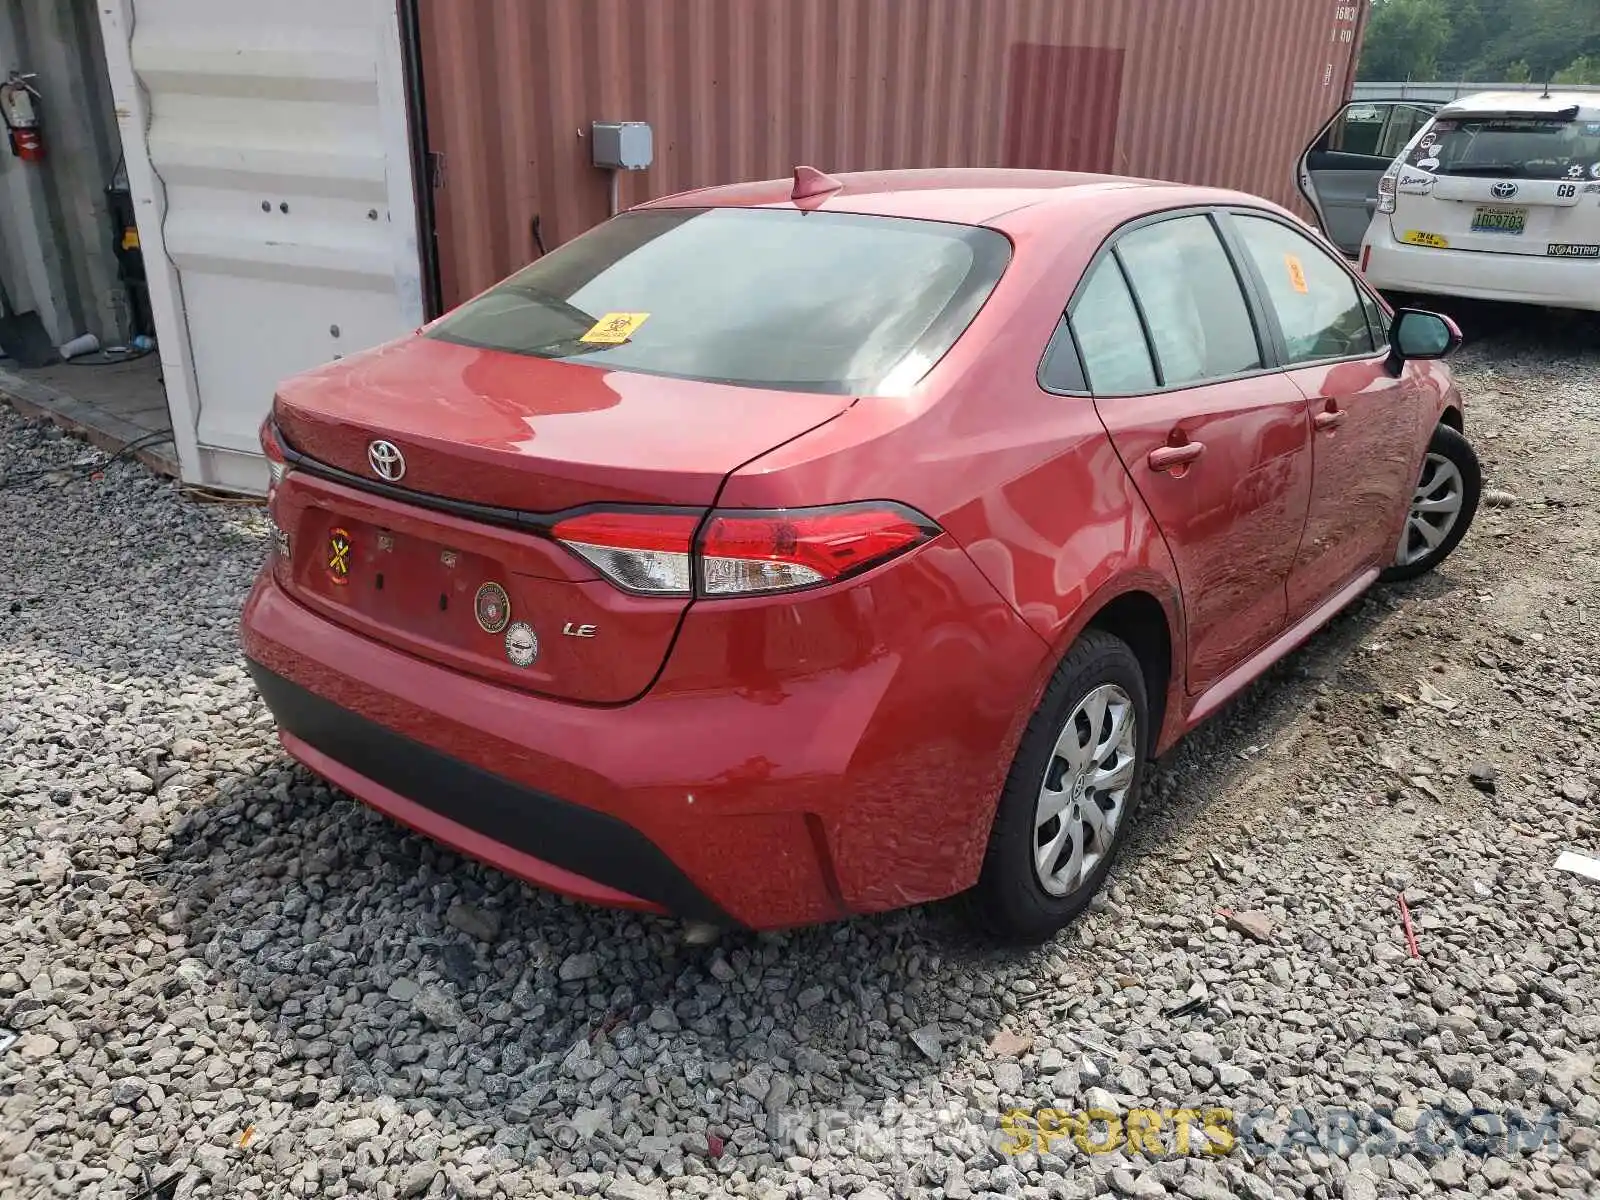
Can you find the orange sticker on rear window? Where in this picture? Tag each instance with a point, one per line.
(615, 328)
(1297, 274)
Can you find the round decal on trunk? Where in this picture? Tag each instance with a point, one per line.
(522, 644)
(339, 551)
(492, 607)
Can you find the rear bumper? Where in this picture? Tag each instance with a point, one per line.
(1478, 275)
(785, 769)
(547, 841)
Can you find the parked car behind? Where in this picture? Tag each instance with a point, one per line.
(795, 549)
(1497, 197)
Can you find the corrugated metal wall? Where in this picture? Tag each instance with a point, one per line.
(1207, 91)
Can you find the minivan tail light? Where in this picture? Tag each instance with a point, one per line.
(1388, 186)
(741, 552)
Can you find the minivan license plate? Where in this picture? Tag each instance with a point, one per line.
(1499, 220)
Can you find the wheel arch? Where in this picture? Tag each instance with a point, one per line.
(1451, 417)
(1145, 610)
(1140, 620)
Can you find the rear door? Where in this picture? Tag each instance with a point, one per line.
(1217, 443)
(1518, 181)
(1339, 172)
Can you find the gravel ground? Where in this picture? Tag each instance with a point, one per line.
(226, 976)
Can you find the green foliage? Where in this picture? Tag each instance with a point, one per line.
(1405, 39)
(1583, 69)
(1483, 40)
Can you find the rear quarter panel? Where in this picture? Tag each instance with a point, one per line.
(1026, 481)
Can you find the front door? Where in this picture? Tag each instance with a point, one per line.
(1218, 448)
(1364, 420)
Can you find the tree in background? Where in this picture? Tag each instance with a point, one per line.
(1405, 39)
(1483, 40)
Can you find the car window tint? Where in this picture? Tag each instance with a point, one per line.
(1318, 304)
(1376, 318)
(769, 298)
(1404, 122)
(1357, 130)
(1115, 356)
(1509, 148)
(1192, 301)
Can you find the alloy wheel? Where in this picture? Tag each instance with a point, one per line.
(1085, 791)
(1435, 505)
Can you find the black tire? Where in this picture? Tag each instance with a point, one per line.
(1449, 444)
(1008, 902)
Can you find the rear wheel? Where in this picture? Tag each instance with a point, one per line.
(1442, 506)
(1070, 797)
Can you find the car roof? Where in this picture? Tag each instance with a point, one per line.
(964, 195)
(1587, 104)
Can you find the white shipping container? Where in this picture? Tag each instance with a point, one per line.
(270, 167)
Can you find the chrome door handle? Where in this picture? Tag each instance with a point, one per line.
(1331, 419)
(1165, 458)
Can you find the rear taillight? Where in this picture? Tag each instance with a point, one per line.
(272, 447)
(777, 551)
(647, 552)
(277, 469)
(1387, 187)
(742, 552)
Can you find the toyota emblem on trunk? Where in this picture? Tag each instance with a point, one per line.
(1504, 191)
(386, 460)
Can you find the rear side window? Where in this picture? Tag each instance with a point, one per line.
(1115, 356)
(1510, 148)
(1379, 130)
(814, 302)
(1192, 302)
(1317, 303)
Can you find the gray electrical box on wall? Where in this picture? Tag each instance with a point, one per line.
(622, 145)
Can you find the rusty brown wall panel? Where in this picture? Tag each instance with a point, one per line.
(1205, 91)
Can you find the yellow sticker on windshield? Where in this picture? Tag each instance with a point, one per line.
(615, 328)
(1297, 274)
(1417, 237)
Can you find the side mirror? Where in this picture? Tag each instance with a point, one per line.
(1421, 335)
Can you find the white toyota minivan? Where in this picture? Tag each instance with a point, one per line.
(1494, 197)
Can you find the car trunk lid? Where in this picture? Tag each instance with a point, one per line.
(535, 435)
(1517, 181)
(1498, 216)
(452, 561)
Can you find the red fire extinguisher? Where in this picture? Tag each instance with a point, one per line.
(21, 118)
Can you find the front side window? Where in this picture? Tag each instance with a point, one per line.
(770, 298)
(1115, 356)
(1317, 303)
(1192, 301)
(1377, 319)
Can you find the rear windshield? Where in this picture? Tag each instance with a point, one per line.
(815, 302)
(1511, 148)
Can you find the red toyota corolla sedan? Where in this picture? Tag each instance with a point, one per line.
(796, 549)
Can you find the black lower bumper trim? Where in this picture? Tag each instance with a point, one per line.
(583, 840)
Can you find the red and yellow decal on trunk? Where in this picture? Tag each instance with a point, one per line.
(339, 550)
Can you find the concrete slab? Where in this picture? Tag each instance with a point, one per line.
(109, 405)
